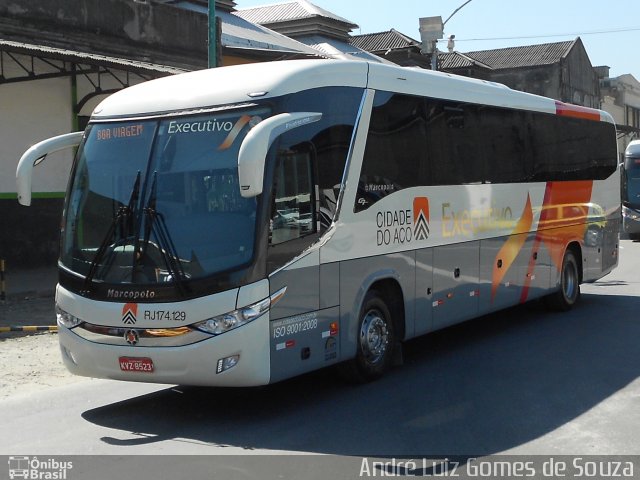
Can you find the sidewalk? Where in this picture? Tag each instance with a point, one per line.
(29, 297)
(31, 283)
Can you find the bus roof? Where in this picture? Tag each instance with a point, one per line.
(247, 83)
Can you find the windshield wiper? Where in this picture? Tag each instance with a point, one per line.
(123, 217)
(154, 222)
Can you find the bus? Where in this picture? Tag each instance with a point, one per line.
(243, 225)
(631, 191)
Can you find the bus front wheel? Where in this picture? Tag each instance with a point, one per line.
(376, 340)
(569, 293)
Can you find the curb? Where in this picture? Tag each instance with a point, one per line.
(29, 329)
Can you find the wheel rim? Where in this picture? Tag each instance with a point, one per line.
(374, 337)
(570, 281)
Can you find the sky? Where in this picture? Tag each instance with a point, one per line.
(610, 30)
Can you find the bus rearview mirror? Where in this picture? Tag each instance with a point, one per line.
(254, 148)
(36, 155)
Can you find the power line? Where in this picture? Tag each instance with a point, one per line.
(525, 37)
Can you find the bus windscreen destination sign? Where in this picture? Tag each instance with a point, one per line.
(122, 131)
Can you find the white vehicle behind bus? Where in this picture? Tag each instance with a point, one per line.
(242, 225)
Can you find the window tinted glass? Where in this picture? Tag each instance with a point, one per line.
(572, 148)
(632, 166)
(396, 147)
(306, 166)
(329, 138)
(631, 182)
(415, 141)
(292, 211)
(162, 189)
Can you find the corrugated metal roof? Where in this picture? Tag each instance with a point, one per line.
(286, 12)
(526, 56)
(86, 58)
(454, 60)
(338, 49)
(221, 5)
(383, 41)
(496, 59)
(236, 33)
(240, 33)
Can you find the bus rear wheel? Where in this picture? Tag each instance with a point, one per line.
(569, 293)
(376, 340)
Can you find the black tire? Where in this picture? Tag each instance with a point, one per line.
(569, 293)
(375, 344)
(635, 237)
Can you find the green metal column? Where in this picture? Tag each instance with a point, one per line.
(74, 99)
(213, 34)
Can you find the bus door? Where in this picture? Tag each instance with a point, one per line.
(303, 336)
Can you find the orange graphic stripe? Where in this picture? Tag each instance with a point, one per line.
(559, 224)
(512, 247)
(130, 307)
(233, 134)
(420, 205)
(536, 247)
(567, 110)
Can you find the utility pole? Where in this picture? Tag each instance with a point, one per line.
(213, 35)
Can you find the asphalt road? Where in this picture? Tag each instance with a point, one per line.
(524, 381)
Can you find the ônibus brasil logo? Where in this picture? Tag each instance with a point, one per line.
(399, 227)
(129, 313)
(421, 218)
(34, 468)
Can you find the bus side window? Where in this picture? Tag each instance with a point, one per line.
(292, 209)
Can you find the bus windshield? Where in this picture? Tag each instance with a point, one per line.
(631, 190)
(158, 200)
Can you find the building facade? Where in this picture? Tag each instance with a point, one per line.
(560, 70)
(60, 58)
(621, 98)
(316, 27)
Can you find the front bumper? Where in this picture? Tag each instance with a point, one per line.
(193, 364)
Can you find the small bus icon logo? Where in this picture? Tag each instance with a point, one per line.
(18, 467)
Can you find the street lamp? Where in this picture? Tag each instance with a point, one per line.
(432, 30)
(456, 11)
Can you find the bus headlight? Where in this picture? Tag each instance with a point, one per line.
(237, 318)
(66, 319)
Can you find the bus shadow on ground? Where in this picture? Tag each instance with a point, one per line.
(482, 387)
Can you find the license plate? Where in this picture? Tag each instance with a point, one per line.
(136, 364)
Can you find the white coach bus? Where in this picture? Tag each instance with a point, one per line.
(243, 225)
